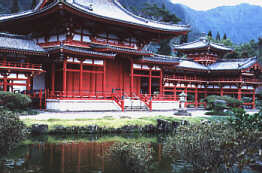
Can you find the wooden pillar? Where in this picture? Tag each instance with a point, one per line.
(150, 82)
(28, 81)
(81, 79)
(196, 96)
(175, 96)
(221, 91)
(64, 76)
(132, 79)
(5, 82)
(239, 93)
(53, 78)
(160, 83)
(104, 79)
(254, 98)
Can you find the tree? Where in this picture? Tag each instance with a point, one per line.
(218, 36)
(184, 39)
(34, 3)
(209, 35)
(15, 7)
(225, 36)
(161, 14)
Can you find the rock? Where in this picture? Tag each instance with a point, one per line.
(205, 122)
(185, 123)
(39, 129)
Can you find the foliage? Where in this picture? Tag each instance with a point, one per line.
(11, 131)
(218, 36)
(15, 7)
(214, 147)
(225, 36)
(161, 14)
(220, 103)
(136, 156)
(13, 101)
(242, 120)
(34, 3)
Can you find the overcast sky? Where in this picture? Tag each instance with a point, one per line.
(209, 4)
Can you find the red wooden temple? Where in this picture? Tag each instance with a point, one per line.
(90, 55)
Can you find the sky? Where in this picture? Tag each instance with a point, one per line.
(209, 4)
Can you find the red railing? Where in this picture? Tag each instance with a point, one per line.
(147, 99)
(20, 65)
(119, 100)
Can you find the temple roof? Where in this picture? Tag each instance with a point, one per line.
(160, 59)
(110, 10)
(78, 50)
(238, 64)
(202, 43)
(222, 65)
(18, 43)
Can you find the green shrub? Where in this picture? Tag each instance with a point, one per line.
(214, 147)
(242, 120)
(136, 156)
(13, 101)
(218, 104)
(12, 130)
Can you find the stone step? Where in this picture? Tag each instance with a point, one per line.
(135, 108)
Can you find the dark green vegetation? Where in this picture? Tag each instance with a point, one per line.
(210, 147)
(14, 102)
(218, 104)
(12, 131)
(241, 23)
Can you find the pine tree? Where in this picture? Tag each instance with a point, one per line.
(218, 37)
(225, 36)
(184, 39)
(15, 7)
(260, 47)
(209, 35)
(34, 3)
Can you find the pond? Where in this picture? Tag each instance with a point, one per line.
(50, 154)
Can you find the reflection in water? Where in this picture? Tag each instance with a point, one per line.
(80, 157)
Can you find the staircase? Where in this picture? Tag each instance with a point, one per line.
(135, 104)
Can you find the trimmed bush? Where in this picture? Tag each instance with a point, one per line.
(13, 101)
(12, 131)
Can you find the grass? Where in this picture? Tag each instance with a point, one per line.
(109, 122)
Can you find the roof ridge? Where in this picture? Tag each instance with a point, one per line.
(8, 35)
(184, 44)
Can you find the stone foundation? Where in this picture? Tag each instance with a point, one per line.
(81, 105)
(164, 105)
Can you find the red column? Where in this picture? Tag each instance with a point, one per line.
(175, 92)
(196, 96)
(5, 82)
(254, 99)
(160, 83)
(64, 76)
(81, 78)
(221, 91)
(150, 82)
(132, 79)
(28, 82)
(239, 93)
(104, 80)
(53, 79)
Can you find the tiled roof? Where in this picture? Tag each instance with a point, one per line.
(222, 65)
(200, 44)
(80, 50)
(233, 64)
(106, 9)
(19, 43)
(120, 49)
(161, 59)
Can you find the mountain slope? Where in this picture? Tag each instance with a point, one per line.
(241, 23)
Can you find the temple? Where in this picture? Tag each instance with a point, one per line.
(89, 55)
(204, 72)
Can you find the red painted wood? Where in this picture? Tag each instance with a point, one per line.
(53, 78)
(150, 83)
(64, 77)
(81, 78)
(132, 79)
